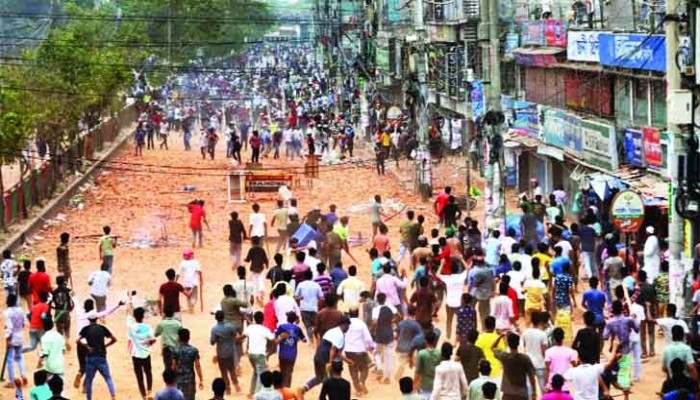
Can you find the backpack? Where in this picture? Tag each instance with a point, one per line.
(61, 300)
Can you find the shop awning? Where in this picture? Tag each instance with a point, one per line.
(602, 184)
(539, 57)
(653, 189)
(444, 111)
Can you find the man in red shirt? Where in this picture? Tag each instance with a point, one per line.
(39, 310)
(441, 201)
(39, 282)
(170, 294)
(197, 216)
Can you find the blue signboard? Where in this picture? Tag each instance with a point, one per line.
(634, 147)
(634, 51)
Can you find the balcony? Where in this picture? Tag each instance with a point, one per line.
(451, 13)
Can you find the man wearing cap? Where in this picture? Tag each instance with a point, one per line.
(92, 337)
(652, 260)
(191, 273)
(329, 349)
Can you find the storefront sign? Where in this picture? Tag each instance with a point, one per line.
(634, 51)
(582, 46)
(591, 141)
(533, 33)
(634, 147)
(627, 211)
(526, 117)
(512, 43)
(555, 32)
(652, 148)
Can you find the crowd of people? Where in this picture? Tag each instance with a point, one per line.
(512, 295)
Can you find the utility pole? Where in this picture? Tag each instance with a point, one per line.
(676, 223)
(494, 55)
(423, 159)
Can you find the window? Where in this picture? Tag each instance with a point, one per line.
(641, 102)
(658, 103)
(622, 101)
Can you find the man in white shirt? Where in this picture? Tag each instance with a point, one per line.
(99, 282)
(191, 274)
(450, 382)
(667, 323)
(285, 304)
(258, 223)
(258, 335)
(358, 341)
(587, 379)
(475, 386)
(454, 287)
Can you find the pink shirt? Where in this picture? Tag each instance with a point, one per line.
(557, 396)
(559, 359)
(502, 310)
(390, 285)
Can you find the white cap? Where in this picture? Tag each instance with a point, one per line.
(650, 229)
(92, 315)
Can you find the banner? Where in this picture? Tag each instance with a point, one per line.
(533, 33)
(583, 46)
(477, 99)
(512, 43)
(526, 118)
(555, 32)
(634, 147)
(652, 148)
(634, 51)
(587, 140)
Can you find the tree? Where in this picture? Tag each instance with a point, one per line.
(16, 126)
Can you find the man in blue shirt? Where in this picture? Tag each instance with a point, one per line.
(556, 267)
(289, 334)
(594, 301)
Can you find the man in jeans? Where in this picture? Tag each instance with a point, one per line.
(481, 286)
(223, 335)
(141, 338)
(258, 335)
(330, 348)
(168, 328)
(14, 339)
(92, 337)
(308, 294)
(99, 282)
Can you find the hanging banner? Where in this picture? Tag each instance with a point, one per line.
(652, 148)
(555, 32)
(583, 46)
(634, 147)
(634, 51)
(526, 118)
(533, 33)
(477, 99)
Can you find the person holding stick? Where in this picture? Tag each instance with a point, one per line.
(191, 273)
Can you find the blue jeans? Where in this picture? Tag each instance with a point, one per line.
(14, 355)
(539, 374)
(637, 354)
(93, 364)
(402, 253)
(9, 290)
(34, 339)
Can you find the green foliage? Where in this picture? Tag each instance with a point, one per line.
(16, 117)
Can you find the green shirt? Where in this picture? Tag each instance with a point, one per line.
(406, 231)
(107, 244)
(52, 347)
(428, 359)
(341, 231)
(168, 327)
(41, 392)
(678, 350)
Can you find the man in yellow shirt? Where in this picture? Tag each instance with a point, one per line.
(350, 289)
(545, 260)
(486, 341)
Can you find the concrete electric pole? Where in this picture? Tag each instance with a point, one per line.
(423, 159)
(677, 148)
